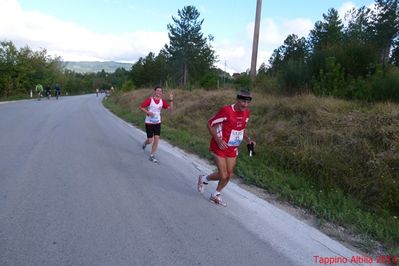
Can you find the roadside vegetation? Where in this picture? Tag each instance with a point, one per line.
(337, 159)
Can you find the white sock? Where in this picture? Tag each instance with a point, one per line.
(217, 193)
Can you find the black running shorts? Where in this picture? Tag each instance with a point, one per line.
(153, 129)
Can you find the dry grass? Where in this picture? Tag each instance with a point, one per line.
(342, 149)
(353, 146)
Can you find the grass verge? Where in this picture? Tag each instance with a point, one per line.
(268, 169)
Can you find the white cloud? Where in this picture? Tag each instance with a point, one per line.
(300, 27)
(272, 35)
(71, 41)
(232, 58)
(76, 43)
(277, 33)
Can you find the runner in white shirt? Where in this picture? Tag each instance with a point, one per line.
(152, 106)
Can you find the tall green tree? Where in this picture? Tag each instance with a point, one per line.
(8, 62)
(359, 55)
(385, 27)
(328, 32)
(190, 54)
(150, 71)
(290, 64)
(119, 77)
(325, 40)
(359, 25)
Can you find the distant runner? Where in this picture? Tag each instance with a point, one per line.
(57, 90)
(227, 129)
(39, 91)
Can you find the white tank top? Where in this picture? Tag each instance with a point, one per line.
(156, 110)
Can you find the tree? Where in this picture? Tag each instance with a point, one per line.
(190, 55)
(150, 71)
(325, 41)
(359, 55)
(289, 64)
(119, 77)
(8, 61)
(327, 33)
(359, 26)
(275, 61)
(385, 27)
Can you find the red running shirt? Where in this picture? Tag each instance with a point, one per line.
(230, 125)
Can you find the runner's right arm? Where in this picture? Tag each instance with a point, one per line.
(213, 128)
(143, 107)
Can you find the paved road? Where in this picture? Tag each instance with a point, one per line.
(77, 189)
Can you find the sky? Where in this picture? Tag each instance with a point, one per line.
(125, 30)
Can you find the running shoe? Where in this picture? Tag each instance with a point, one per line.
(201, 184)
(144, 145)
(217, 199)
(153, 159)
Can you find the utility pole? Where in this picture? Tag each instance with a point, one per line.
(255, 40)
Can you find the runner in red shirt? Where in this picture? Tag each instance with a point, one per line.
(227, 129)
(152, 106)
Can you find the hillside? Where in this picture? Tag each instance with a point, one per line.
(95, 66)
(337, 159)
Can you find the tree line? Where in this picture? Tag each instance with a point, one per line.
(21, 69)
(357, 60)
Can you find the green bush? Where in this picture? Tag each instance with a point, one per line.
(209, 81)
(128, 86)
(293, 77)
(332, 80)
(385, 85)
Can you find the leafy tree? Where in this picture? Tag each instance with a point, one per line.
(327, 33)
(359, 26)
(358, 54)
(275, 61)
(385, 27)
(289, 63)
(22, 69)
(325, 40)
(190, 55)
(137, 72)
(332, 80)
(119, 77)
(150, 71)
(8, 61)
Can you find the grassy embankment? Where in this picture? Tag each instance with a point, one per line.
(337, 159)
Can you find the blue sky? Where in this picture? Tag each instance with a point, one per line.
(124, 30)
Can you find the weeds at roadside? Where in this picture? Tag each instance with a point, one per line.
(272, 167)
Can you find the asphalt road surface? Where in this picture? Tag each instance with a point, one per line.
(77, 189)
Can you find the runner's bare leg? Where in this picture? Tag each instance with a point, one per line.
(155, 144)
(225, 171)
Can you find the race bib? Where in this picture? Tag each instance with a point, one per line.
(236, 137)
(155, 119)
